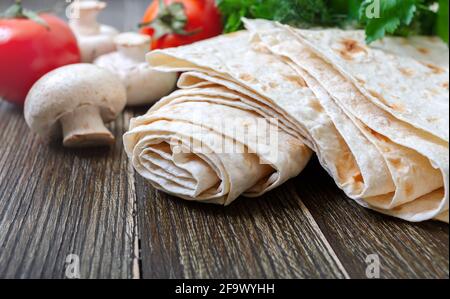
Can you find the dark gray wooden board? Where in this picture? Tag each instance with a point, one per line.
(304, 229)
(55, 202)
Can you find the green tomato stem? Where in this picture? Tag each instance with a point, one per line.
(16, 11)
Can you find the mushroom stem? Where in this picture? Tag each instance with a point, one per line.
(133, 45)
(84, 127)
(86, 20)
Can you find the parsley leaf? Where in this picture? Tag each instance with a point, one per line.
(299, 13)
(393, 17)
(387, 17)
(442, 22)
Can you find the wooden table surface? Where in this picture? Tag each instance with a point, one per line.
(56, 202)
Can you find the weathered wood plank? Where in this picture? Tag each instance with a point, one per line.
(405, 250)
(269, 237)
(55, 202)
(275, 237)
(80, 202)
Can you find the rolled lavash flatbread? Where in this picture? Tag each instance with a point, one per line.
(359, 145)
(205, 145)
(276, 88)
(412, 91)
(417, 160)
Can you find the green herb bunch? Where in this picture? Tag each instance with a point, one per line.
(377, 17)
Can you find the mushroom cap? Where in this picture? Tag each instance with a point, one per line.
(68, 88)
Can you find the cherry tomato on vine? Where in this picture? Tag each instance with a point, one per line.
(174, 23)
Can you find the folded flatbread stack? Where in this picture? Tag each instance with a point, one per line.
(376, 117)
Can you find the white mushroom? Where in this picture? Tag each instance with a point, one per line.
(144, 85)
(75, 100)
(94, 39)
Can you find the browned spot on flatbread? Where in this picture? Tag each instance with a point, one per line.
(346, 167)
(358, 178)
(407, 72)
(386, 149)
(246, 77)
(315, 104)
(376, 95)
(345, 55)
(378, 135)
(424, 51)
(409, 189)
(353, 46)
(394, 106)
(342, 170)
(434, 68)
(296, 80)
(445, 85)
(396, 162)
(398, 107)
(350, 48)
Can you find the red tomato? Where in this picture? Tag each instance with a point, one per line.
(29, 50)
(200, 20)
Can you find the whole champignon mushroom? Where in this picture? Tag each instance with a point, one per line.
(144, 85)
(77, 100)
(94, 39)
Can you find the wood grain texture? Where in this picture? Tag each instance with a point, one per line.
(269, 237)
(304, 229)
(405, 250)
(55, 202)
